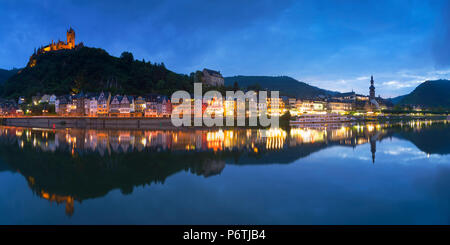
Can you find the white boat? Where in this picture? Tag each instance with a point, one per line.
(319, 118)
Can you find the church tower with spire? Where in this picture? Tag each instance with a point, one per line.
(372, 89)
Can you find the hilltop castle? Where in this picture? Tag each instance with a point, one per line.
(60, 45)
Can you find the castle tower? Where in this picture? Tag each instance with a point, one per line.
(71, 38)
(372, 89)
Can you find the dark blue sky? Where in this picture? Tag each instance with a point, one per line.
(335, 45)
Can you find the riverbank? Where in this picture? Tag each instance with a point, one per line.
(152, 123)
(101, 123)
(90, 122)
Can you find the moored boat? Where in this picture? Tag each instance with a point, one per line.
(319, 118)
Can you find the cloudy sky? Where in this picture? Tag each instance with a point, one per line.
(335, 45)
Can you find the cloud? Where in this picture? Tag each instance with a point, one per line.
(363, 78)
(399, 85)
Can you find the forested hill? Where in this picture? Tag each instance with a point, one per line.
(93, 69)
(429, 94)
(287, 86)
(6, 74)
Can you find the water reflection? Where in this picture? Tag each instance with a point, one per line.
(68, 165)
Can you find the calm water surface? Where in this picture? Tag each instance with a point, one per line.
(363, 174)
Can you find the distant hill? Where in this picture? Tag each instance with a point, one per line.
(93, 69)
(430, 94)
(5, 74)
(287, 86)
(397, 99)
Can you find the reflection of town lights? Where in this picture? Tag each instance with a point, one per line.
(248, 133)
(211, 136)
(308, 135)
(275, 133)
(250, 140)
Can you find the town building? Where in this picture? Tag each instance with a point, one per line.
(125, 105)
(292, 103)
(307, 106)
(350, 96)
(52, 99)
(93, 106)
(339, 106)
(35, 99)
(151, 106)
(103, 102)
(122, 106)
(10, 108)
(62, 105)
(360, 97)
(214, 107)
(229, 107)
(140, 104)
(114, 107)
(21, 100)
(45, 98)
(275, 106)
(79, 105)
(164, 106)
(157, 106)
(212, 78)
